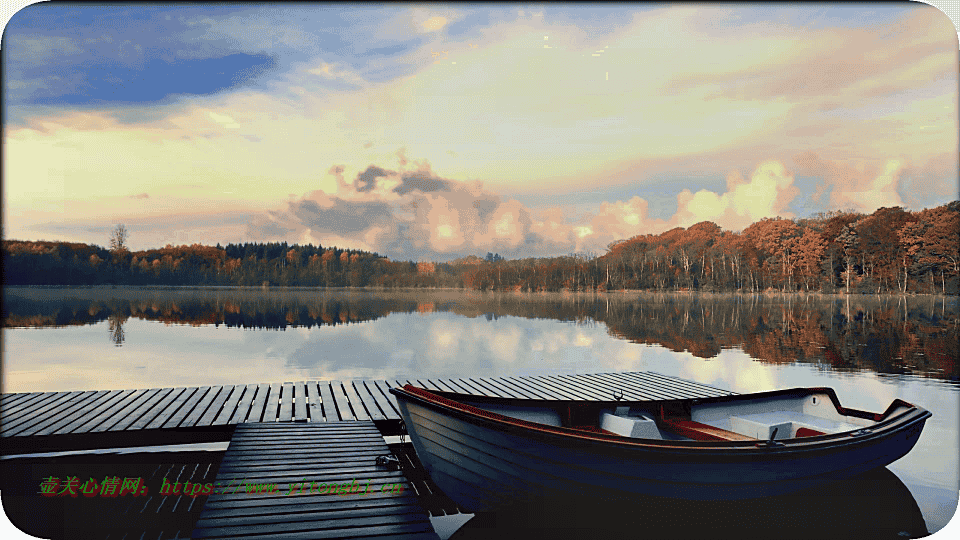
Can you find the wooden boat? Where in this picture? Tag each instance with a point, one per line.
(489, 453)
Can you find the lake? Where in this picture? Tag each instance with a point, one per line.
(870, 349)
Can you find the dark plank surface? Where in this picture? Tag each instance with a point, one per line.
(172, 408)
(368, 400)
(329, 405)
(380, 390)
(300, 405)
(17, 417)
(243, 406)
(341, 399)
(261, 454)
(286, 403)
(157, 409)
(272, 408)
(143, 409)
(82, 416)
(80, 412)
(201, 407)
(228, 407)
(314, 407)
(658, 392)
(51, 415)
(359, 410)
(188, 406)
(259, 403)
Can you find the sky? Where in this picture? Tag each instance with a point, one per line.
(436, 131)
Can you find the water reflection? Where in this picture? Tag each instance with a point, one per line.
(873, 505)
(116, 329)
(887, 335)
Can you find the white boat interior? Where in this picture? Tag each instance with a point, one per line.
(761, 418)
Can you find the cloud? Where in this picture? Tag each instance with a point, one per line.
(409, 214)
(433, 24)
(865, 186)
(843, 65)
(419, 215)
(767, 194)
(223, 120)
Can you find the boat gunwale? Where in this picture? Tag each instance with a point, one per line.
(886, 425)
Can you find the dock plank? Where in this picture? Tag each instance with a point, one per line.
(343, 407)
(84, 415)
(546, 388)
(88, 408)
(271, 407)
(314, 408)
(129, 420)
(329, 404)
(356, 404)
(652, 389)
(384, 387)
(50, 414)
(365, 397)
(300, 401)
(305, 512)
(201, 407)
(228, 407)
(243, 406)
(561, 388)
(188, 406)
(618, 386)
(218, 406)
(499, 387)
(588, 385)
(467, 388)
(685, 384)
(54, 414)
(30, 402)
(585, 389)
(19, 415)
(343, 403)
(286, 403)
(259, 403)
(486, 387)
(86, 423)
(169, 409)
(383, 401)
(158, 409)
(12, 397)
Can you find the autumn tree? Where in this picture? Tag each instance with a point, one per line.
(774, 240)
(118, 238)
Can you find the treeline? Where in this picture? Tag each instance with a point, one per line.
(890, 250)
(247, 264)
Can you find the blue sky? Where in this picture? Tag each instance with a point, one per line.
(528, 130)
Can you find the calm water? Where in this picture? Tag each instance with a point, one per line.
(869, 349)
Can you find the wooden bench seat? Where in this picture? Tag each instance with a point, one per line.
(701, 432)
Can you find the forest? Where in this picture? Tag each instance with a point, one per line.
(892, 250)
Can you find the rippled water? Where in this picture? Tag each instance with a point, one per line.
(869, 349)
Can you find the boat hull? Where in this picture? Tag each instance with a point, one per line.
(484, 465)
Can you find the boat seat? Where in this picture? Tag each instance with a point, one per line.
(702, 432)
(788, 424)
(634, 426)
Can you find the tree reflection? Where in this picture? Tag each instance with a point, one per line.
(116, 329)
(915, 335)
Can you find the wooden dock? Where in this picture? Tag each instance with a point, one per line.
(50, 421)
(318, 432)
(315, 480)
